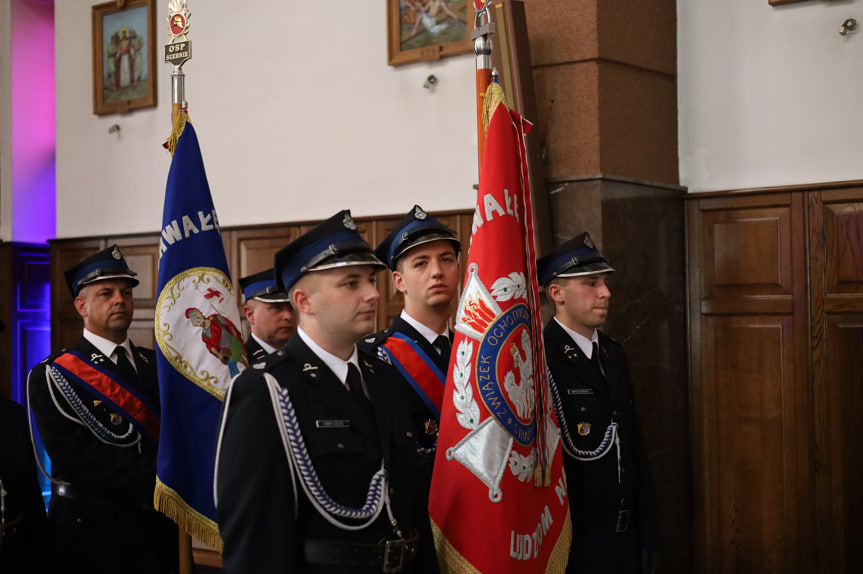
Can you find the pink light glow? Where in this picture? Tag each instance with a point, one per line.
(34, 178)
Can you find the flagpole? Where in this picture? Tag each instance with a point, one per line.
(177, 52)
(482, 46)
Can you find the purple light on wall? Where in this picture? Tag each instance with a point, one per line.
(34, 174)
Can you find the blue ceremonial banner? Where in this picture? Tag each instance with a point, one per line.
(200, 345)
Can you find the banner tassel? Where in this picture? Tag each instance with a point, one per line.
(492, 98)
(176, 132)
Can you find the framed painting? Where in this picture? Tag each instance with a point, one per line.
(426, 30)
(124, 55)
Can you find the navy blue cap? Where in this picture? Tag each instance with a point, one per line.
(577, 257)
(107, 264)
(334, 243)
(415, 228)
(262, 286)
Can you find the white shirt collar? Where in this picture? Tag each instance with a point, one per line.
(338, 366)
(106, 346)
(264, 345)
(428, 334)
(585, 344)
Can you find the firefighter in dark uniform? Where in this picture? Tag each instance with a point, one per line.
(96, 406)
(422, 254)
(317, 456)
(612, 503)
(271, 318)
(23, 526)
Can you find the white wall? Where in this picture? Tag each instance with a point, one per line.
(297, 112)
(769, 95)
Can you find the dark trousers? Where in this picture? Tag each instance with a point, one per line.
(111, 538)
(598, 549)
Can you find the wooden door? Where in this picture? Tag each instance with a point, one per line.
(836, 278)
(749, 363)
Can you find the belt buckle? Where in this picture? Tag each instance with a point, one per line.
(394, 556)
(622, 521)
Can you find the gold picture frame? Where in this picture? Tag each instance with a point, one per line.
(427, 30)
(124, 56)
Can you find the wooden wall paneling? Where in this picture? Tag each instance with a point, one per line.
(749, 358)
(748, 371)
(702, 498)
(836, 303)
(392, 301)
(141, 253)
(66, 325)
(252, 250)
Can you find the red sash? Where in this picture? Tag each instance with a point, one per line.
(418, 369)
(112, 391)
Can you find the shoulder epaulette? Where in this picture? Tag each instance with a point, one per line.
(610, 339)
(376, 340)
(53, 356)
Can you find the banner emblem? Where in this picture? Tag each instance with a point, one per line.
(204, 345)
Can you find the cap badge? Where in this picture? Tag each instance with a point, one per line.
(575, 261)
(587, 241)
(419, 213)
(115, 253)
(349, 222)
(583, 429)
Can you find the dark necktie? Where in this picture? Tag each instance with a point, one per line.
(594, 358)
(355, 383)
(124, 366)
(441, 344)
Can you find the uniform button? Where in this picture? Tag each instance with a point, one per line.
(340, 445)
(583, 409)
(79, 521)
(409, 434)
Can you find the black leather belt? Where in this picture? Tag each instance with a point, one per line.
(618, 521)
(390, 556)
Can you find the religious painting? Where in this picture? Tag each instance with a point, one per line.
(426, 30)
(124, 54)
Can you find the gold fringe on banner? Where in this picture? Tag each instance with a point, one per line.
(176, 132)
(168, 502)
(492, 98)
(451, 561)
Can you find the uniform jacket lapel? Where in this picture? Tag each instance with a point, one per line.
(337, 397)
(565, 356)
(254, 351)
(380, 393)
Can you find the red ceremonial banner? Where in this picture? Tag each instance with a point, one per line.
(498, 499)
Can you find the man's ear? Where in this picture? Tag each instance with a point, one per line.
(81, 306)
(302, 300)
(555, 293)
(399, 282)
(249, 312)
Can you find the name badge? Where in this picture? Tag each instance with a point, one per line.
(333, 423)
(579, 391)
